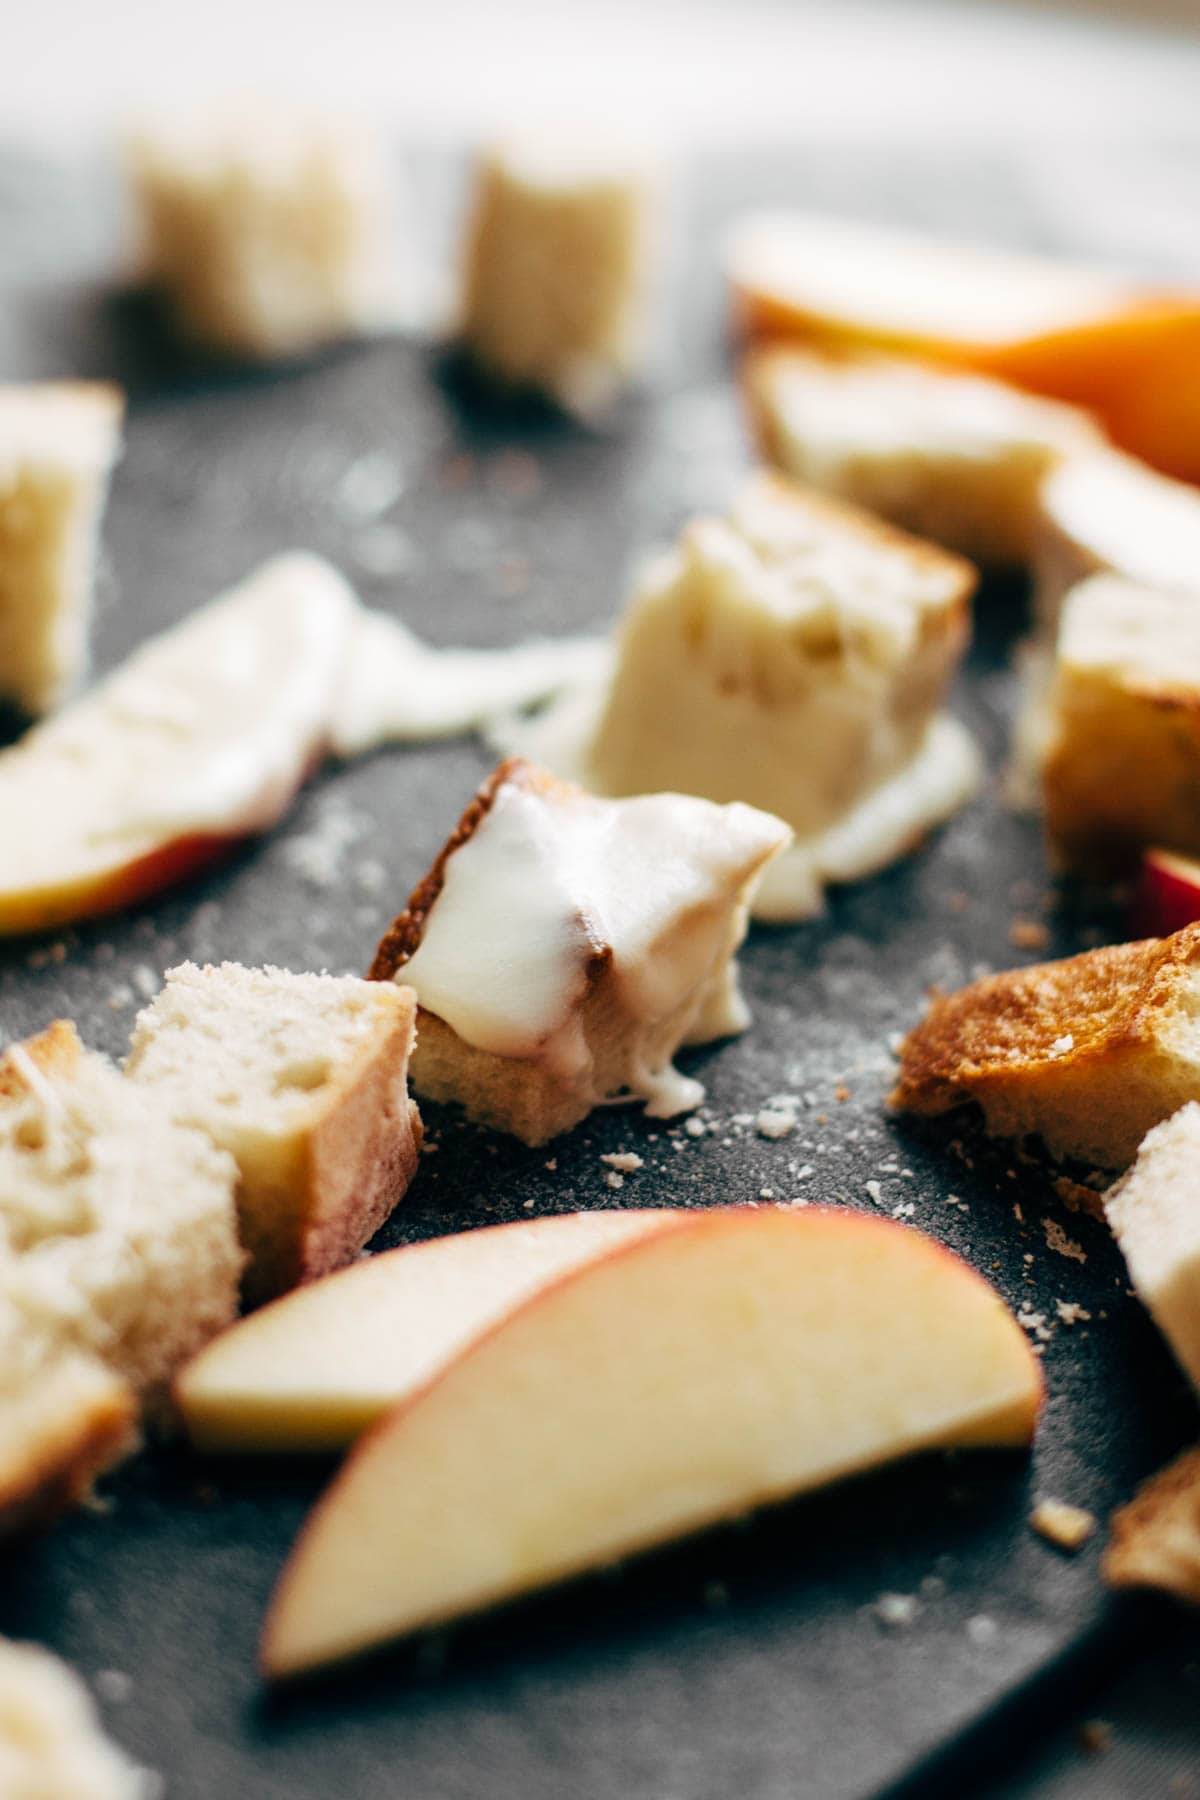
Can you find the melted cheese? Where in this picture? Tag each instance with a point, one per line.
(546, 886)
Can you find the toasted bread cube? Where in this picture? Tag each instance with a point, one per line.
(1155, 1218)
(52, 1746)
(267, 231)
(1110, 514)
(1122, 759)
(117, 1231)
(563, 947)
(58, 443)
(302, 1079)
(950, 456)
(558, 267)
(1087, 1054)
(1155, 1541)
(794, 656)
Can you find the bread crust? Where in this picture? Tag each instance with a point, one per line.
(1007, 1027)
(1155, 1539)
(84, 1421)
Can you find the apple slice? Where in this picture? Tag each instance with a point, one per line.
(1167, 896)
(1127, 350)
(313, 1369)
(201, 738)
(680, 1379)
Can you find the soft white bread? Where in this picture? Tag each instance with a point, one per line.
(302, 1079)
(557, 267)
(117, 1227)
(51, 1743)
(563, 947)
(58, 443)
(266, 229)
(1087, 1054)
(953, 457)
(1155, 1541)
(1122, 754)
(64, 1420)
(1108, 513)
(1154, 1211)
(794, 656)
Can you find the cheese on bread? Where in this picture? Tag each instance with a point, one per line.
(563, 947)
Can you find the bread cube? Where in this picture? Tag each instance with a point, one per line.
(52, 1746)
(58, 443)
(1155, 1218)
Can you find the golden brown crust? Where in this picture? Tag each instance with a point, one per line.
(1155, 1540)
(1078, 1010)
(71, 1439)
(399, 942)
(54, 1051)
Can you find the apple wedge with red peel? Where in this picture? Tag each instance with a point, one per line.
(683, 1378)
(312, 1370)
(1167, 896)
(201, 739)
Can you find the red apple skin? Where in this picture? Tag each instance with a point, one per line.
(1167, 896)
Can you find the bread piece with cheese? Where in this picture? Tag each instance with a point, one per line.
(302, 1079)
(1155, 1541)
(950, 456)
(558, 266)
(1087, 1054)
(117, 1229)
(564, 947)
(266, 229)
(795, 655)
(58, 443)
(1110, 514)
(1121, 770)
(1154, 1211)
(52, 1746)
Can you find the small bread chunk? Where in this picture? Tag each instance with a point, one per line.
(64, 1420)
(1088, 1053)
(51, 1743)
(302, 1079)
(564, 947)
(1110, 514)
(557, 268)
(954, 457)
(1155, 1540)
(58, 443)
(1155, 1217)
(794, 656)
(117, 1229)
(1122, 762)
(266, 230)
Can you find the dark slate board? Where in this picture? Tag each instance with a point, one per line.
(752, 1661)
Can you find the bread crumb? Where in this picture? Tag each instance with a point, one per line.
(1058, 1241)
(897, 1611)
(1062, 1046)
(775, 1122)
(614, 1180)
(1070, 1312)
(905, 1210)
(694, 1127)
(841, 1093)
(1076, 1197)
(1035, 1324)
(626, 1161)
(875, 1192)
(1028, 934)
(1095, 1737)
(552, 1165)
(1065, 1526)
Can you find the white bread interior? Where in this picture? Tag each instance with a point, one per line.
(1155, 1215)
(953, 457)
(266, 228)
(1086, 1054)
(302, 1079)
(614, 944)
(52, 1746)
(58, 443)
(1122, 750)
(557, 267)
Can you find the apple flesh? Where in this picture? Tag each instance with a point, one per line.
(1167, 896)
(312, 1370)
(680, 1379)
